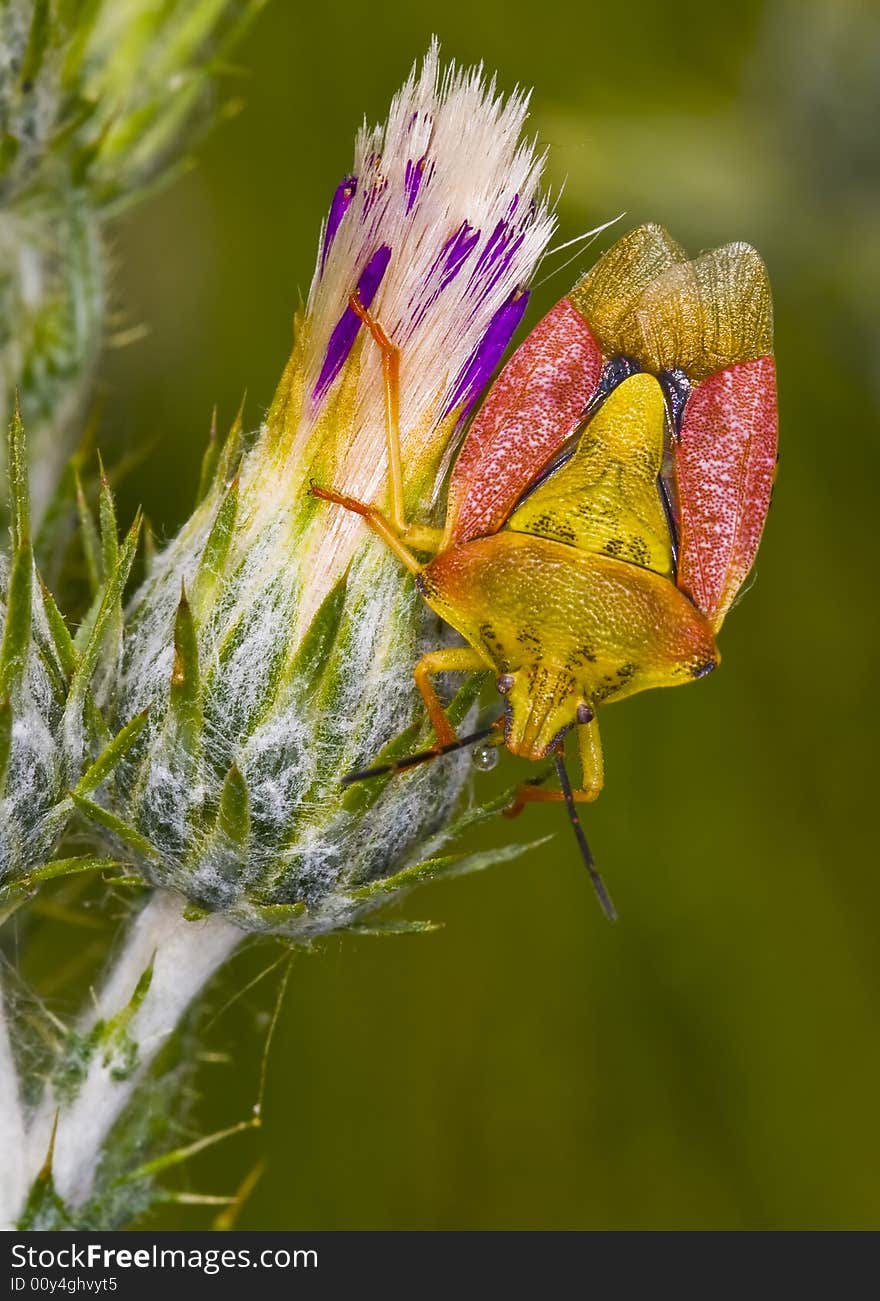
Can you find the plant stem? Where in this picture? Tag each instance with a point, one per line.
(12, 1129)
(184, 955)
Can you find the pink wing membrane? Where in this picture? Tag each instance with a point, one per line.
(531, 409)
(724, 468)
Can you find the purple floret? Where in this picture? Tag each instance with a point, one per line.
(496, 257)
(346, 328)
(412, 180)
(489, 352)
(456, 251)
(339, 205)
(446, 267)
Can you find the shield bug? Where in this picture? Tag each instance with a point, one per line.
(606, 504)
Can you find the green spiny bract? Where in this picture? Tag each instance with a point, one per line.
(32, 777)
(94, 99)
(32, 696)
(54, 744)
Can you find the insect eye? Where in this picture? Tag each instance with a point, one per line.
(584, 714)
(616, 371)
(676, 390)
(504, 683)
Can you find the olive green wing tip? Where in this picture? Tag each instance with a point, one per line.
(754, 299)
(639, 255)
(608, 294)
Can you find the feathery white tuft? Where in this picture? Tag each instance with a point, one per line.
(475, 169)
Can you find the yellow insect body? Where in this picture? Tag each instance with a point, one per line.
(569, 628)
(605, 498)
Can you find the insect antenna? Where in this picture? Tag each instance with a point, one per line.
(590, 235)
(586, 854)
(412, 760)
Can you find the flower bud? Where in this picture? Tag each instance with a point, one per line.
(274, 642)
(94, 99)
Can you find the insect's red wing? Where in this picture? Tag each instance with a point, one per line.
(724, 468)
(532, 408)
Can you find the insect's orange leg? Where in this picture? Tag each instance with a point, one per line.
(592, 780)
(456, 659)
(425, 539)
(529, 794)
(391, 375)
(375, 519)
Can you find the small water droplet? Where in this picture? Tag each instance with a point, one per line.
(484, 757)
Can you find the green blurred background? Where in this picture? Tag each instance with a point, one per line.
(714, 1060)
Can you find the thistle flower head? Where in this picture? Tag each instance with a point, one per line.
(94, 100)
(274, 642)
(440, 228)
